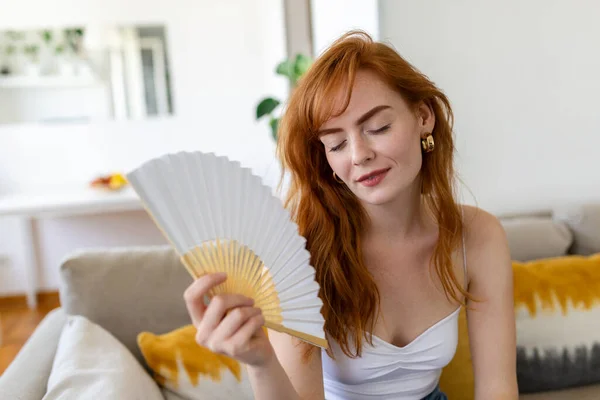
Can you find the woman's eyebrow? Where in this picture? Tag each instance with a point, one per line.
(371, 113)
(359, 121)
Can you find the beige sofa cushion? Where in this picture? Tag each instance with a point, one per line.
(591, 392)
(26, 377)
(584, 222)
(127, 291)
(91, 364)
(532, 237)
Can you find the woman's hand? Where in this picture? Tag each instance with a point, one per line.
(228, 324)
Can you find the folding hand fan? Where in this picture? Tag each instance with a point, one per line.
(220, 217)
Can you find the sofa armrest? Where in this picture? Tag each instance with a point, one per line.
(26, 377)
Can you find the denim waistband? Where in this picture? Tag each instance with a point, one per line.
(436, 395)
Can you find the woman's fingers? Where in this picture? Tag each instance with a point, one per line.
(194, 294)
(234, 320)
(215, 312)
(240, 341)
(228, 322)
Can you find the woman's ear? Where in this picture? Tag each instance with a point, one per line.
(426, 118)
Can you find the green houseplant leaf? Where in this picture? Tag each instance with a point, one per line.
(293, 69)
(274, 123)
(266, 106)
(285, 68)
(301, 65)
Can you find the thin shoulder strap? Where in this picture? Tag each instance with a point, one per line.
(464, 246)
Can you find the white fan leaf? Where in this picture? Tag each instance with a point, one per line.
(219, 216)
(314, 328)
(181, 177)
(297, 277)
(288, 236)
(307, 315)
(299, 295)
(298, 258)
(315, 303)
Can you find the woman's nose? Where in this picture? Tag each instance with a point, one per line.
(361, 152)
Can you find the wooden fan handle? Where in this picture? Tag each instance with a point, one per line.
(314, 340)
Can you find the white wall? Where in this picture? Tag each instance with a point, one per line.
(222, 55)
(523, 77)
(332, 18)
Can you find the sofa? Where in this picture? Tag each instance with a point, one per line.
(130, 290)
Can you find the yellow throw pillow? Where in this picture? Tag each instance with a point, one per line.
(557, 312)
(557, 309)
(457, 378)
(191, 371)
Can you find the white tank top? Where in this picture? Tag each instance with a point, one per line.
(385, 371)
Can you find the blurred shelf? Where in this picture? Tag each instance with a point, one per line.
(68, 201)
(56, 82)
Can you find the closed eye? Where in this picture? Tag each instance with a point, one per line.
(338, 147)
(382, 129)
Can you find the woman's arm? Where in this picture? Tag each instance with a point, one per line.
(491, 321)
(288, 372)
(230, 325)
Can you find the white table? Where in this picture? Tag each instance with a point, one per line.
(56, 202)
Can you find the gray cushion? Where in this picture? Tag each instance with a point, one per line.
(532, 237)
(584, 222)
(27, 376)
(127, 290)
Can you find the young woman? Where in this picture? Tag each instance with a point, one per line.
(367, 140)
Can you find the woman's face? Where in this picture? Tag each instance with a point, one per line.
(375, 145)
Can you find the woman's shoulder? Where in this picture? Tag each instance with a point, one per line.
(485, 240)
(477, 222)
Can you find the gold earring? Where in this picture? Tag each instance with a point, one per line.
(428, 143)
(337, 179)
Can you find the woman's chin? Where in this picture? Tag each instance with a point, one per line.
(382, 195)
(377, 197)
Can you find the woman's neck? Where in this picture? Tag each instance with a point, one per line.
(398, 219)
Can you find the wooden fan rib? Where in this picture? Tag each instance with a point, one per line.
(314, 340)
(254, 269)
(235, 266)
(222, 264)
(246, 269)
(272, 309)
(207, 254)
(194, 262)
(210, 258)
(227, 262)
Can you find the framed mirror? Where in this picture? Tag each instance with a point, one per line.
(84, 73)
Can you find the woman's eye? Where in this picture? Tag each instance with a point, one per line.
(382, 129)
(338, 147)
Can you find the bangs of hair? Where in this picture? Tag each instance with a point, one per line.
(330, 91)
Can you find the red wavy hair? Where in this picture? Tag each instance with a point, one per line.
(328, 215)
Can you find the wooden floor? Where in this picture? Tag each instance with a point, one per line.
(17, 323)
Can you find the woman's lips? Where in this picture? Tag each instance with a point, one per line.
(373, 178)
